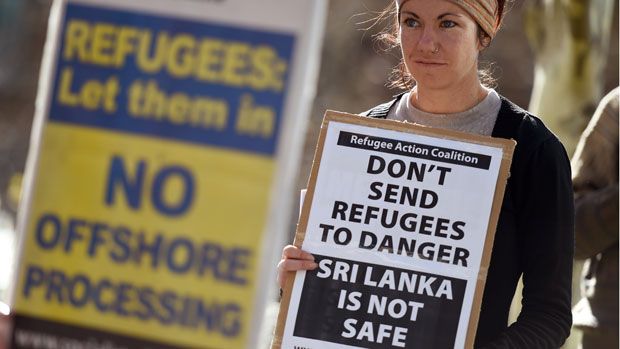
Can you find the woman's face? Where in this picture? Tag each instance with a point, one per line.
(439, 43)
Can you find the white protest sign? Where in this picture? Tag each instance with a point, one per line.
(401, 220)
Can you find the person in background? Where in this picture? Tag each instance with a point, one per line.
(440, 42)
(595, 181)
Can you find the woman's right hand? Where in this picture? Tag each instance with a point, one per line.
(294, 259)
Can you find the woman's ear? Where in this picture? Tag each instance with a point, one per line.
(483, 42)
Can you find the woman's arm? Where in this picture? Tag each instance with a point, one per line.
(545, 224)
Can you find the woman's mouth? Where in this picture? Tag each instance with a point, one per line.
(430, 63)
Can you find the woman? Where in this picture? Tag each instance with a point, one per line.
(440, 41)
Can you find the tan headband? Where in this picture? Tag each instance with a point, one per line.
(484, 13)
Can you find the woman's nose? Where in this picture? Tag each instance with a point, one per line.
(427, 42)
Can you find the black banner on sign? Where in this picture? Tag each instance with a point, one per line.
(416, 150)
(30, 333)
(373, 306)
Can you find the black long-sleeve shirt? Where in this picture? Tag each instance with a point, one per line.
(534, 239)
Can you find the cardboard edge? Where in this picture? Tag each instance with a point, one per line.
(507, 146)
(498, 198)
(403, 126)
(300, 233)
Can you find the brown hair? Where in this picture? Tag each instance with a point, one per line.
(388, 40)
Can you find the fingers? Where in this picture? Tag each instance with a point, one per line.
(287, 266)
(294, 259)
(296, 264)
(294, 252)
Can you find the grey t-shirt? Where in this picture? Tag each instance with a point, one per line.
(478, 120)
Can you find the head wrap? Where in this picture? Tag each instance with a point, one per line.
(484, 12)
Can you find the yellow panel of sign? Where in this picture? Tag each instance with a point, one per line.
(104, 247)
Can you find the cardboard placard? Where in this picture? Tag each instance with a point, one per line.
(152, 197)
(401, 220)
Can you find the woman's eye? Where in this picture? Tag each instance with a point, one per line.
(447, 24)
(410, 22)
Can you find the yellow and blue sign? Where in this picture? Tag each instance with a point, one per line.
(175, 79)
(153, 180)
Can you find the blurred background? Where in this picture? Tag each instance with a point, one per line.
(555, 58)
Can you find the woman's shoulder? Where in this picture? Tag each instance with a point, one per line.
(382, 110)
(538, 149)
(524, 127)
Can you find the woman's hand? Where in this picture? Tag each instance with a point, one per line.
(294, 259)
